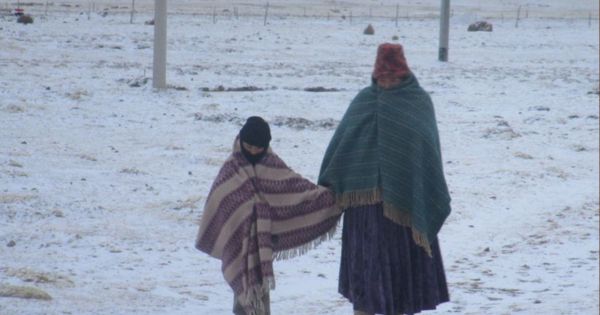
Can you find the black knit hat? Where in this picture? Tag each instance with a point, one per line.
(256, 132)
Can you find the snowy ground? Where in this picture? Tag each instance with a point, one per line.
(102, 178)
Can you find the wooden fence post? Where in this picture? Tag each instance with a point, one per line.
(132, 11)
(444, 30)
(266, 13)
(159, 77)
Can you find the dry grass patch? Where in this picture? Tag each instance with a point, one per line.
(23, 292)
(189, 203)
(14, 163)
(14, 109)
(12, 198)
(30, 275)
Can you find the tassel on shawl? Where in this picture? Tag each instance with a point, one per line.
(374, 196)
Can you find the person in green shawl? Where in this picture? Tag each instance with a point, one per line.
(385, 166)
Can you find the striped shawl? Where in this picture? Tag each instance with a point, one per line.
(386, 150)
(254, 214)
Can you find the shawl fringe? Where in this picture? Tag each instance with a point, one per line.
(367, 197)
(372, 197)
(304, 248)
(253, 301)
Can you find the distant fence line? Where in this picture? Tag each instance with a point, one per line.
(279, 11)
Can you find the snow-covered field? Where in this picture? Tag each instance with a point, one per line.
(102, 177)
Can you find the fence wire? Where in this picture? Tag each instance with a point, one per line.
(333, 10)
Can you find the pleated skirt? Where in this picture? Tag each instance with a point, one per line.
(383, 271)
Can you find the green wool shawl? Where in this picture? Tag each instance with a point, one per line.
(386, 150)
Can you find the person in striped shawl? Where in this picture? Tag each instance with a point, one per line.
(258, 210)
(384, 163)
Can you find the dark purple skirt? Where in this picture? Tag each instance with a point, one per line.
(383, 271)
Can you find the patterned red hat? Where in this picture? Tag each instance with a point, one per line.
(390, 61)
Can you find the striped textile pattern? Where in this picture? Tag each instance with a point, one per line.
(386, 149)
(255, 214)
